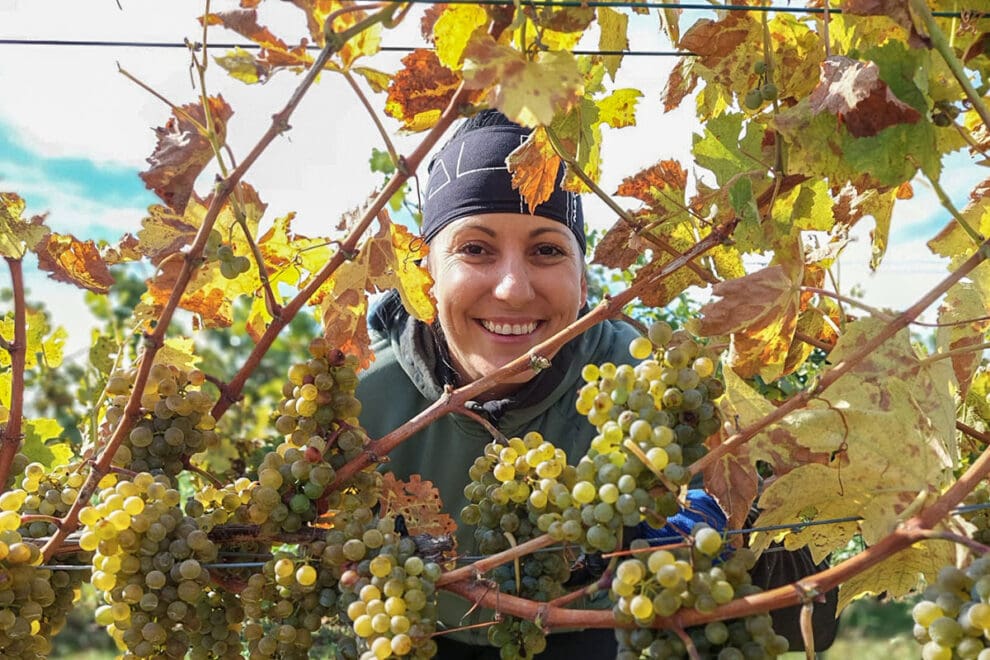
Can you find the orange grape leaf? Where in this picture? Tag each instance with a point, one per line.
(126, 249)
(418, 502)
(67, 259)
(854, 92)
(344, 319)
(17, 236)
(528, 92)
(680, 83)
(534, 166)
(760, 313)
(649, 185)
(392, 264)
(183, 152)
(420, 90)
(245, 23)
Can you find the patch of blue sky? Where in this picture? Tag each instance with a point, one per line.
(87, 198)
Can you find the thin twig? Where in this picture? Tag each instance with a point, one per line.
(955, 352)
(10, 442)
(392, 153)
(973, 433)
(175, 108)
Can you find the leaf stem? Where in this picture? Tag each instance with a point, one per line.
(943, 197)
(955, 352)
(10, 442)
(392, 153)
(920, 9)
(658, 241)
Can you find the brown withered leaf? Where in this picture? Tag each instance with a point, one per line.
(183, 152)
(619, 248)
(534, 166)
(760, 313)
(853, 91)
(245, 23)
(67, 259)
(733, 482)
(429, 19)
(646, 185)
(418, 501)
(714, 39)
(420, 90)
(680, 83)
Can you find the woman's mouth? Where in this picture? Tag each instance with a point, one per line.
(510, 329)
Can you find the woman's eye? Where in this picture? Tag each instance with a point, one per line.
(549, 251)
(473, 249)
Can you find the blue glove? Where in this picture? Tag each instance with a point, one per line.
(702, 508)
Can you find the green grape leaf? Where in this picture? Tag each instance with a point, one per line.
(100, 353)
(36, 446)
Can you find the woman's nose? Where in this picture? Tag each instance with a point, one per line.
(513, 283)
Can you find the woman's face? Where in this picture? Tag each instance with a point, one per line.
(504, 282)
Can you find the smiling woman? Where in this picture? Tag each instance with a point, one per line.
(505, 281)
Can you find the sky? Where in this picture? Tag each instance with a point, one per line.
(74, 133)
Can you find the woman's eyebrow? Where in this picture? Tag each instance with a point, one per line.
(543, 230)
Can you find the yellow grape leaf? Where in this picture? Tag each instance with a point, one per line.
(534, 166)
(618, 109)
(292, 257)
(963, 302)
(178, 352)
(377, 80)
(852, 205)
(680, 238)
(53, 347)
(891, 415)
(418, 502)
(17, 236)
(901, 574)
(420, 90)
(614, 26)
(182, 151)
(317, 11)
(759, 311)
(528, 92)
(733, 479)
(67, 259)
(6, 376)
(453, 30)
(209, 295)
(392, 264)
(387, 260)
(953, 241)
(243, 66)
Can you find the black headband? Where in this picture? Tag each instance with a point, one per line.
(468, 176)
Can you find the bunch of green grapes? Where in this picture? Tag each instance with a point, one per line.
(175, 423)
(286, 602)
(518, 491)
(215, 630)
(148, 561)
(212, 506)
(318, 416)
(387, 593)
(34, 601)
(231, 265)
(953, 618)
(702, 576)
(43, 493)
(652, 420)
(979, 517)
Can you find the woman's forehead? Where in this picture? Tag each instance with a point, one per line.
(506, 224)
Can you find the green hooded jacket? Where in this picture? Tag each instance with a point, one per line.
(409, 374)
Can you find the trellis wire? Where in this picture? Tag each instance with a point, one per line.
(468, 559)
